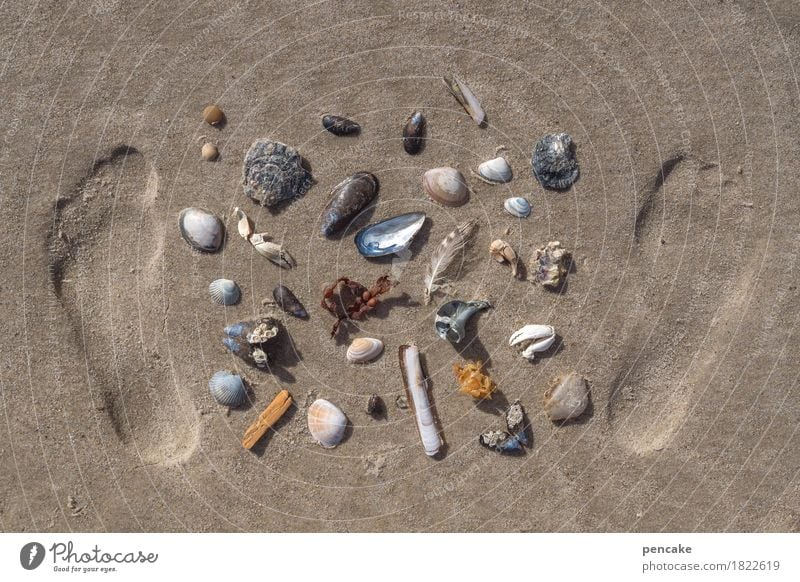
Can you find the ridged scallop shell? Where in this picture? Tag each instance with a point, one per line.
(224, 291)
(517, 206)
(227, 389)
(567, 397)
(364, 349)
(496, 171)
(201, 229)
(447, 186)
(326, 423)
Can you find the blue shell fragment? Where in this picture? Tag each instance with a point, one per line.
(389, 236)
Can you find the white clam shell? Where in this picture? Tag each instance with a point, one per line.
(416, 388)
(496, 171)
(224, 291)
(533, 339)
(517, 206)
(567, 397)
(447, 186)
(326, 423)
(364, 349)
(227, 389)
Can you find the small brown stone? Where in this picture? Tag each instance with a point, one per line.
(213, 115)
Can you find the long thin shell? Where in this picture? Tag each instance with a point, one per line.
(266, 419)
(416, 390)
(443, 256)
(467, 98)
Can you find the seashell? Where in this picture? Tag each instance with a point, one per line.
(201, 229)
(349, 197)
(401, 402)
(392, 235)
(518, 207)
(273, 172)
(502, 442)
(244, 224)
(287, 301)
(213, 115)
(515, 421)
(375, 406)
(549, 265)
(326, 423)
(271, 414)
(209, 152)
(417, 392)
(451, 318)
(413, 133)
(447, 186)
(554, 163)
(227, 389)
(364, 349)
(224, 291)
(502, 252)
(473, 381)
(340, 125)
(273, 251)
(567, 397)
(248, 339)
(496, 171)
(533, 339)
(466, 98)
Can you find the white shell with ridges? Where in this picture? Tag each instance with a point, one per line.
(496, 171)
(227, 389)
(224, 291)
(567, 397)
(364, 349)
(416, 388)
(326, 423)
(517, 206)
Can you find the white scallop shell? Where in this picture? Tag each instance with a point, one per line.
(227, 389)
(224, 291)
(518, 206)
(364, 349)
(326, 423)
(567, 397)
(496, 171)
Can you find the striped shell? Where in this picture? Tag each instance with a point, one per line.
(496, 171)
(518, 207)
(364, 349)
(227, 389)
(326, 423)
(224, 291)
(447, 186)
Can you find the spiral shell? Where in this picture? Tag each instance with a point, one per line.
(224, 291)
(364, 349)
(326, 423)
(447, 186)
(517, 206)
(227, 389)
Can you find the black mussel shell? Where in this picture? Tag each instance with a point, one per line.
(349, 197)
(340, 125)
(413, 133)
(287, 301)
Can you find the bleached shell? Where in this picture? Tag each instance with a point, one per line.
(517, 206)
(224, 291)
(201, 229)
(447, 186)
(416, 389)
(364, 349)
(533, 338)
(567, 397)
(227, 389)
(496, 171)
(326, 423)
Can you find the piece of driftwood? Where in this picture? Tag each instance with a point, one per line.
(266, 419)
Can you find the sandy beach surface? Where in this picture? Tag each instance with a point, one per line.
(681, 309)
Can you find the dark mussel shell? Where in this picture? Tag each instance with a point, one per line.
(340, 125)
(248, 340)
(413, 133)
(349, 198)
(375, 406)
(287, 301)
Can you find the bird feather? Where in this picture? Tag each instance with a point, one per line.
(442, 257)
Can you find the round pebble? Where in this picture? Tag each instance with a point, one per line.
(209, 152)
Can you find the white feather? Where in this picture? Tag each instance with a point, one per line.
(443, 256)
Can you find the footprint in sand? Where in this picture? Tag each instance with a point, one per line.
(105, 263)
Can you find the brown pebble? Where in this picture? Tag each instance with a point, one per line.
(213, 115)
(209, 152)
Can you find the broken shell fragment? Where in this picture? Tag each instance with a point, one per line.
(244, 225)
(201, 229)
(533, 339)
(452, 317)
(473, 381)
(390, 236)
(413, 133)
(466, 98)
(272, 413)
(209, 152)
(272, 251)
(517, 206)
(326, 423)
(349, 197)
(567, 397)
(515, 421)
(224, 291)
(447, 186)
(213, 115)
(417, 392)
(273, 172)
(549, 265)
(554, 163)
(340, 125)
(287, 301)
(502, 252)
(227, 389)
(375, 406)
(364, 349)
(501, 441)
(248, 339)
(496, 171)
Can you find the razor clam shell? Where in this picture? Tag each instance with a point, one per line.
(338, 125)
(466, 98)
(227, 389)
(201, 229)
(416, 388)
(389, 236)
(447, 186)
(567, 397)
(326, 423)
(517, 206)
(413, 133)
(348, 198)
(364, 349)
(287, 301)
(496, 171)
(224, 291)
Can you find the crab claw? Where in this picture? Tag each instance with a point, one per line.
(533, 338)
(244, 225)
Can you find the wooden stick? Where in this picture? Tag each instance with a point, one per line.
(266, 419)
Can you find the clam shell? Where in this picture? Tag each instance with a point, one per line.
(364, 349)
(389, 236)
(287, 301)
(224, 291)
(466, 98)
(348, 199)
(567, 397)
(554, 163)
(413, 133)
(447, 186)
(326, 423)
(201, 229)
(227, 389)
(517, 206)
(496, 171)
(340, 125)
